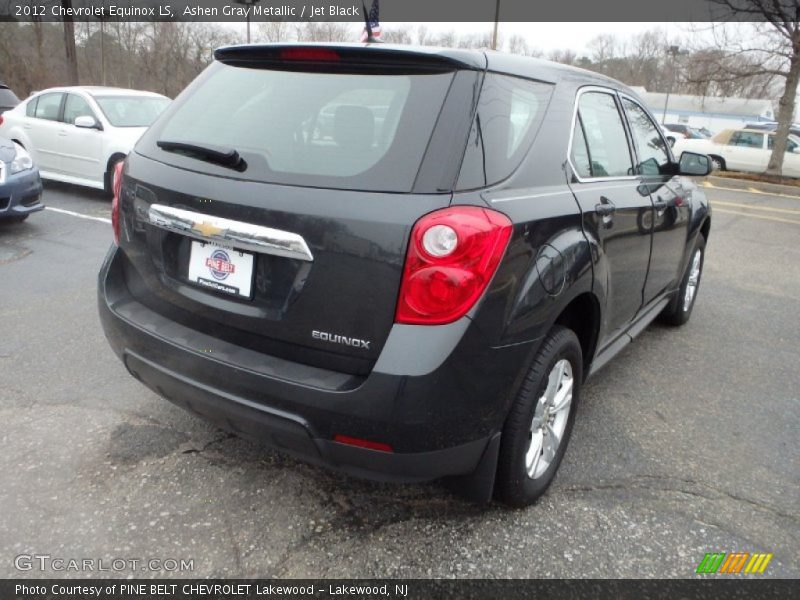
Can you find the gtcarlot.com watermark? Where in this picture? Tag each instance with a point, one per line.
(60, 564)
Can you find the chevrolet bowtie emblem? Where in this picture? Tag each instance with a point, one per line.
(206, 229)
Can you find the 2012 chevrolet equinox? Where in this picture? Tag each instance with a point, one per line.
(398, 262)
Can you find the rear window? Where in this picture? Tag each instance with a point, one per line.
(131, 111)
(346, 131)
(7, 98)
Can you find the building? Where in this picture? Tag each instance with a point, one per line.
(712, 112)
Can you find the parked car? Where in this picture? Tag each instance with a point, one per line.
(772, 127)
(421, 298)
(745, 150)
(8, 99)
(20, 185)
(686, 131)
(77, 134)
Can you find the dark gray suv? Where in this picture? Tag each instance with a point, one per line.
(398, 262)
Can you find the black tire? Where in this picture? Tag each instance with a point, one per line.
(513, 484)
(677, 312)
(718, 162)
(108, 179)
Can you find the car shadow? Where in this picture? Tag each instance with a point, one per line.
(85, 193)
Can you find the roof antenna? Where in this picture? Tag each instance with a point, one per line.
(370, 35)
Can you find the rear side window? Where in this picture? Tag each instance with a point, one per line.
(48, 106)
(606, 141)
(338, 130)
(30, 108)
(650, 146)
(747, 139)
(509, 113)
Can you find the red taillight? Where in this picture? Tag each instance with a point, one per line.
(116, 186)
(1, 119)
(358, 442)
(310, 54)
(443, 277)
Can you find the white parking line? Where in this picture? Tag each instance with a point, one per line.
(77, 214)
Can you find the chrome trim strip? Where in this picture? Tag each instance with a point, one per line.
(243, 236)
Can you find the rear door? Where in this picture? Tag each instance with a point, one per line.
(670, 210)
(42, 131)
(296, 250)
(745, 151)
(80, 149)
(615, 203)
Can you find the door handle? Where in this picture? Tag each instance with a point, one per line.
(606, 208)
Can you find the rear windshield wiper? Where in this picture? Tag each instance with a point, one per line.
(220, 155)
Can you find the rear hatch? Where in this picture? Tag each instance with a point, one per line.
(271, 204)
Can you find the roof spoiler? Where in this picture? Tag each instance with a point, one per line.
(348, 59)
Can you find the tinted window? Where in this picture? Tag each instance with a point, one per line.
(509, 113)
(791, 145)
(131, 111)
(748, 139)
(349, 131)
(580, 151)
(48, 106)
(75, 107)
(7, 98)
(606, 141)
(30, 108)
(650, 146)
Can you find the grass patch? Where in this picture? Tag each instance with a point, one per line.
(758, 177)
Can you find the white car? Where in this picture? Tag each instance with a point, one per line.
(78, 134)
(744, 150)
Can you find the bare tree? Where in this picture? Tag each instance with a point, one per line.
(397, 34)
(769, 48)
(69, 43)
(325, 31)
(274, 31)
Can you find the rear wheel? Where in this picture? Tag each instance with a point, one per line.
(678, 311)
(718, 162)
(538, 427)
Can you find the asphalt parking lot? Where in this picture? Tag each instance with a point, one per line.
(685, 444)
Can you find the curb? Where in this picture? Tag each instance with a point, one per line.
(745, 184)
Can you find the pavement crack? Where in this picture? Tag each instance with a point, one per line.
(640, 481)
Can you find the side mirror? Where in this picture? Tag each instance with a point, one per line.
(692, 163)
(87, 122)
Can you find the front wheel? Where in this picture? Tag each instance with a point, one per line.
(678, 311)
(538, 427)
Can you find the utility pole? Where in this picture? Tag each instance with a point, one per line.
(673, 51)
(496, 21)
(249, 5)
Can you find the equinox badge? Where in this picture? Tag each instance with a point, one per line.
(340, 339)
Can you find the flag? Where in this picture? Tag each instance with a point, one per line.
(373, 24)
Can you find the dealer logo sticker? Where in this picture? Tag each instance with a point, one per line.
(220, 265)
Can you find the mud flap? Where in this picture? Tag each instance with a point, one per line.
(478, 486)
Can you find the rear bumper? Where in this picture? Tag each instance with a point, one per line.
(21, 194)
(436, 395)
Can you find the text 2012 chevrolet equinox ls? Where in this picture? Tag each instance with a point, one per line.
(398, 262)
